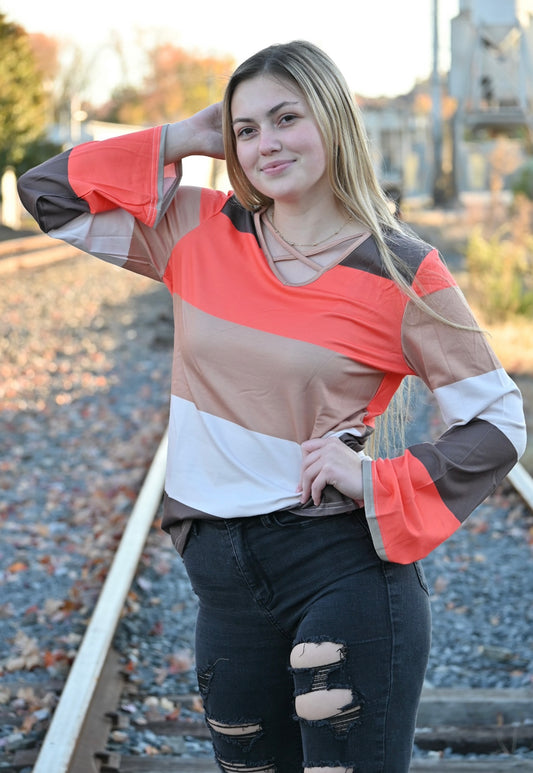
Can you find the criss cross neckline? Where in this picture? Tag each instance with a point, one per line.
(332, 249)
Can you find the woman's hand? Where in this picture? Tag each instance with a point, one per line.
(207, 126)
(330, 461)
(199, 135)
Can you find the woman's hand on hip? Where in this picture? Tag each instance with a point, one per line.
(330, 461)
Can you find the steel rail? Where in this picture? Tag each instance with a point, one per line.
(33, 251)
(59, 744)
(522, 482)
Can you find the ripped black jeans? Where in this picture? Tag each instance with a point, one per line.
(311, 651)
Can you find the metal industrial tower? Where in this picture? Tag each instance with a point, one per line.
(491, 74)
(491, 77)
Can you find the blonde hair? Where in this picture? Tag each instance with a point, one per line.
(350, 169)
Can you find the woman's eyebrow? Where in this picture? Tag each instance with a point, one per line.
(270, 112)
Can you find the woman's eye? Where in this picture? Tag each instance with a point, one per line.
(245, 132)
(288, 118)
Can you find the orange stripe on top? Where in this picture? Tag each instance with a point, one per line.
(432, 276)
(351, 312)
(127, 171)
(211, 202)
(410, 513)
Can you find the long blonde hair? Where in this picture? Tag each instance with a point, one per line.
(350, 169)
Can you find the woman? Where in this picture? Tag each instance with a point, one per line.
(300, 305)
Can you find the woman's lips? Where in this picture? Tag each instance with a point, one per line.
(275, 167)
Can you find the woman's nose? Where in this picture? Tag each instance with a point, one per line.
(269, 143)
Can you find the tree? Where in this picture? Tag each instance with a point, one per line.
(45, 52)
(178, 84)
(22, 97)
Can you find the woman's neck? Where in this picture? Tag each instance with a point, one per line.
(312, 227)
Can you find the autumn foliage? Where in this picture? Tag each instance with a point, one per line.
(178, 84)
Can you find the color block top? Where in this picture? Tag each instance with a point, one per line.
(262, 364)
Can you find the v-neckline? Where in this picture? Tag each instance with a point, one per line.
(332, 252)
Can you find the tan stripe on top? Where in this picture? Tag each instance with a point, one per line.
(249, 368)
(442, 354)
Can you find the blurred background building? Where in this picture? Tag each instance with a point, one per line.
(464, 133)
(491, 79)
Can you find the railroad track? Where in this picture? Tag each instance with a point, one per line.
(90, 713)
(33, 251)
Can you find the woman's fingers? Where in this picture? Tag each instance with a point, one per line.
(329, 461)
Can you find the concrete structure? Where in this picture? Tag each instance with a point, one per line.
(400, 141)
(491, 77)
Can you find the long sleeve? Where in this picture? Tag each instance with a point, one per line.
(110, 199)
(417, 500)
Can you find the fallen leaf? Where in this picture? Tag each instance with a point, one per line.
(18, 566)
(180, 662)
(197, 704)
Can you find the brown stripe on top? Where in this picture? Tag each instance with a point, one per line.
(228, 370)
(466, 464)
(442, 354)
(53, 204)
(150, 248)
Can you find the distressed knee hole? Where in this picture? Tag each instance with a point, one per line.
(237, 767)
(322, 696)
(339, 709)
(244, 731)
(313, 654)
(322, 704)
(320, 660)
(329, 770)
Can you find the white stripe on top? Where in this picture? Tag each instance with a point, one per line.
(220, 468)
(492, 396)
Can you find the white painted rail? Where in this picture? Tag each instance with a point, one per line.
(60, 742)
(33, 251)
(523, 483)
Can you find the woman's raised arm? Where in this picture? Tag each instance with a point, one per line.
(199, 135)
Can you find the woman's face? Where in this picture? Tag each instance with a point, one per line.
(279, 145)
